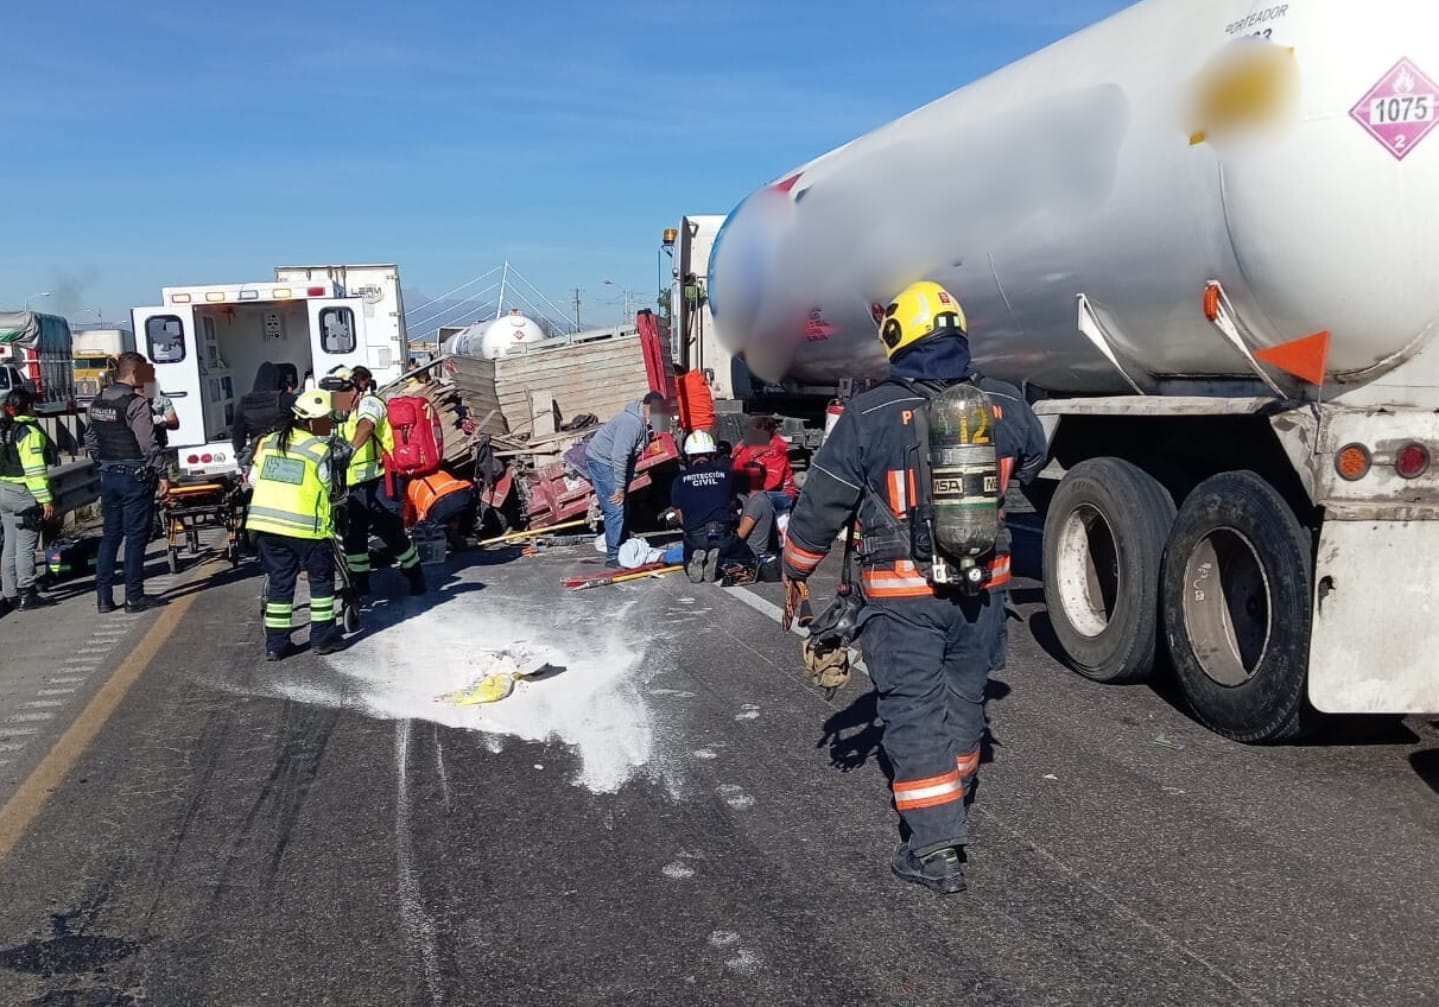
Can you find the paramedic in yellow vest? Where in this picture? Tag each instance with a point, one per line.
(293, 522)
(25, 498)
(371, 504)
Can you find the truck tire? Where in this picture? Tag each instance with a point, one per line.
(1104, 541)
(1236, 593)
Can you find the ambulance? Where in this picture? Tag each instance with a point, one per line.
(207, 342)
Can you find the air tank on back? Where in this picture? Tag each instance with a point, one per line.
(964, 479)
(492, 339)
(1280, 149)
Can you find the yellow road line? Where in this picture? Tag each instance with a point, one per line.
(21, 810)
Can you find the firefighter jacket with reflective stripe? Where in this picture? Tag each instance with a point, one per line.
(367, 463)
(25, 453)
(867, 466)
(292, 488)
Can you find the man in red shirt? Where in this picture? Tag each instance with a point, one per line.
(763, 444)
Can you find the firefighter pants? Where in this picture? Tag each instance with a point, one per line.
(371, 508)
(282, 558)
(929, 659)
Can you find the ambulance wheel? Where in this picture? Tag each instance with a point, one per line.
(1104, 541)
(1236, 590)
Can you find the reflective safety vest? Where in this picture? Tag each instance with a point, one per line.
(422, 493)
(25, 452)
(292, 488)
(367, 463)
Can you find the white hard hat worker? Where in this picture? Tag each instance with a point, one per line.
(313, 405)
(700, 443)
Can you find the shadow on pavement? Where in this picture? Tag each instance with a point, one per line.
(1426, 765)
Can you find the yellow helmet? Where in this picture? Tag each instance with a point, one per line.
(919, 310)
(313, 405)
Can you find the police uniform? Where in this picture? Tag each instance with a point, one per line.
(371, 505)
(121, 439)
(291, 516)
(928, 649)
(25, 452)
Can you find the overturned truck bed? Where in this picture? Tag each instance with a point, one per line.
(509, 422)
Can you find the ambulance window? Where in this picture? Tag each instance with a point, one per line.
(166, 335)
(337, 330)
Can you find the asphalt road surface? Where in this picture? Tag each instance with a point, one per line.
(673, 816)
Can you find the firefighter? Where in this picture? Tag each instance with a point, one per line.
(25, 498)
(928, 648)
(293, 522)
(371, 503)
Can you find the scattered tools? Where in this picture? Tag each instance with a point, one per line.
(621, 576)
(532, 532)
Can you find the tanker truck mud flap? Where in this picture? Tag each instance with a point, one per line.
(1375, 627)
(1104, 540)
(1236, 596)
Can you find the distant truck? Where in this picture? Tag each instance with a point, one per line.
(95, 353)
(35, 354)
(208, 341)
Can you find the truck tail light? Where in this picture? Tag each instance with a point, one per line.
(1352, 462)
(206, 459)
(316, 291)
(193, 460)
(1412, 461)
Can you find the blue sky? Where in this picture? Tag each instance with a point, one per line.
(152, 143)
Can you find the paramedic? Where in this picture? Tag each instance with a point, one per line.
(442, 500)
(703, 497)
(292, 519)
(371, 502)
(25, 498)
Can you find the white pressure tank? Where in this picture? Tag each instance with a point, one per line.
(1281, 149)
(488, 340)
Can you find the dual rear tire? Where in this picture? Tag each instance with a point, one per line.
(1223, 580)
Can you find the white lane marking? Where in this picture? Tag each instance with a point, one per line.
(18, 732)
(412, 907)
(42, 704)
(11, 746)
(54, 692)
(66, 680)
(769, 608)
(29, 718)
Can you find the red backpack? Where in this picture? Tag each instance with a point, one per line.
(419, 436)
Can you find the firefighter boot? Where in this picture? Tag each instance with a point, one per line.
(417, 580)
(942, 871)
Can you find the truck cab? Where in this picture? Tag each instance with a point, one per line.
(207, 344)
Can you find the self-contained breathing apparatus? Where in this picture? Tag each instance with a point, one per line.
(953, 523)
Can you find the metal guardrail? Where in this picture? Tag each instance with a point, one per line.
(75, 484)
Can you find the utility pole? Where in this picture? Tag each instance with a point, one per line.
(577, 309)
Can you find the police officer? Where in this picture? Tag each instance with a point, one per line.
(121, 439)
(704, 497)
(371, 504)
(290, 514)
(928, 649)
(25, 499)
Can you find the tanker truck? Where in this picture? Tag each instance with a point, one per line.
(1202, 236)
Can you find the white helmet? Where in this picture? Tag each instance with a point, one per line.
(700, 443)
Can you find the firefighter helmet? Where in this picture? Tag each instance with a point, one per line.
(918, 311)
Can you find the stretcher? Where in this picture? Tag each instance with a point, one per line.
(189, 507)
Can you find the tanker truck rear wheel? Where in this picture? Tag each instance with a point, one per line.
(1104, 541)
(1236, 589)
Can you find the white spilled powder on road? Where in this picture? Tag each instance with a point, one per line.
(723, 939)
(704, 753)
(745, 963)
(678, 871)
(735, 796)
(413, 668)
